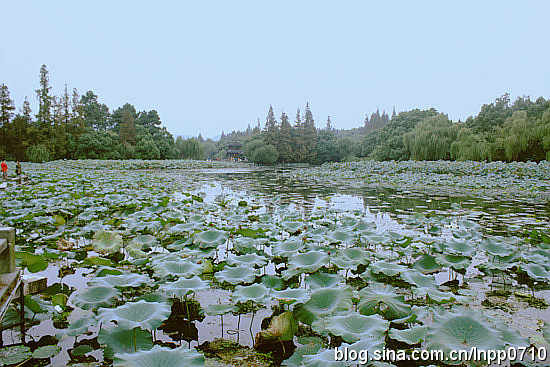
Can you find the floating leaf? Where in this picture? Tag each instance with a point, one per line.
(146, 315)
(281, 328)
(412, 336)
(257, 293)
(119, 340)
(160, 357)
(210, 238)
(182, 287)
(107, 241)
(353, 326)
(183, 268)
(383, 300)
(324, 301)
(94, 297)
(14, 354)
(46, 351)
(236, 275)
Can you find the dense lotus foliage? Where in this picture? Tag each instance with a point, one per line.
(153, 253)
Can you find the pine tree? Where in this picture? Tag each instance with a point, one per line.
(329, 125)
(310, 136)
(285, 140)
(393, 114)
(299, 149)
(44, 116)
(6, 106)
(127, 128)
(271, 129)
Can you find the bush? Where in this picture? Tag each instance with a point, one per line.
(38, 153)
(266, 155)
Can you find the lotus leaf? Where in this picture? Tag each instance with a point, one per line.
(418, 279)
(382, 299)
(273, 282)
(107, 241)
(143, 241)
(220, 309)
(388, 269)
(296, 360)
(339, 236)
(119, 340)
(247, 260)
(412, 336)
(160, 357)
(351, 258)
(123, 280)
(288, 248)
(34, 263)
(245, 245)
(462, 329)
(308, 262)
(94, 297)
(536, 272)
(181, 268)
(281, 328)
(323, 302)
(236, 275)
(78, 327)
(14, 354)
(498, 248)
(292, 226)
(257, 293)
(453, 261)
(46, 351)
(210, 238)
(146, 315)
(426, 264)
(292, 295)
(324, 359)
(323, 280)
(182, 287)
(353, 326)
(460, 248)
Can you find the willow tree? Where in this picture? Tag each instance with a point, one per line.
(431, 139)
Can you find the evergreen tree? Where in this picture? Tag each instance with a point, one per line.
(285, 140)
(309, 136)
(329, 127)
(271, 130)
(393, 114)
(96, 115)
(127, 133)
(6, 106)
(44, 116)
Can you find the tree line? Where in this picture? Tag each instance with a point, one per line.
(73, 126)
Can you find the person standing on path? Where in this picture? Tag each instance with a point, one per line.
(4, 170)
(18, 168)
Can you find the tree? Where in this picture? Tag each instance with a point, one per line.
(309, 138)
(127, 133)
(271, 130)
(266, 154)
(44, 116)
(6, 106)
(285, 140)
(38, 153)
(96, 115)
(431, 139)
(327, 147)
(147, 149)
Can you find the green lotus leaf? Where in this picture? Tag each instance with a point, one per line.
(308, 262)
(388, 269)
(368, 344)
(236, 274)
(146, 315)
(353, 326)
(181, 268)
(412, 336)
(78, 327)
(288, 248)
(382, 299)
(247, 260)
(281, 328)
(462, 329)
(94, 297)
(81, 350)
(257, 293)
(456, 262)
(296, 360)
(143, 241)
(460, 248)
(323, 302)
(46, 351)
(217, 309)
(210, 238)
(363, 226)
(536, 272)
(511, 337)
(123, 280)
(426, 264)
(497, 248)
(339, 236)
(292, 226)
(33, 263)
(107, 241)
(418, 279)
(323, 280)
(273, 282)
(14, 354)
(292, 295)
(351, 258)
(438, 296)
(324, 359)
(246, 245)
(184, 286)
(118, 340)
(546, 332)
(160, 357)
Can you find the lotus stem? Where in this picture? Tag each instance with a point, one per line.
(221, 316)
(251, 321)
(135, 345)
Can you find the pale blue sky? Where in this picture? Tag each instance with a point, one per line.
(212, 65)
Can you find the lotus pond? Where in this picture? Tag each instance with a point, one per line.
(181, 263)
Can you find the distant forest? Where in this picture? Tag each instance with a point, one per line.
(74, 126)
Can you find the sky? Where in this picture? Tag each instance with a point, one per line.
(208, 66)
